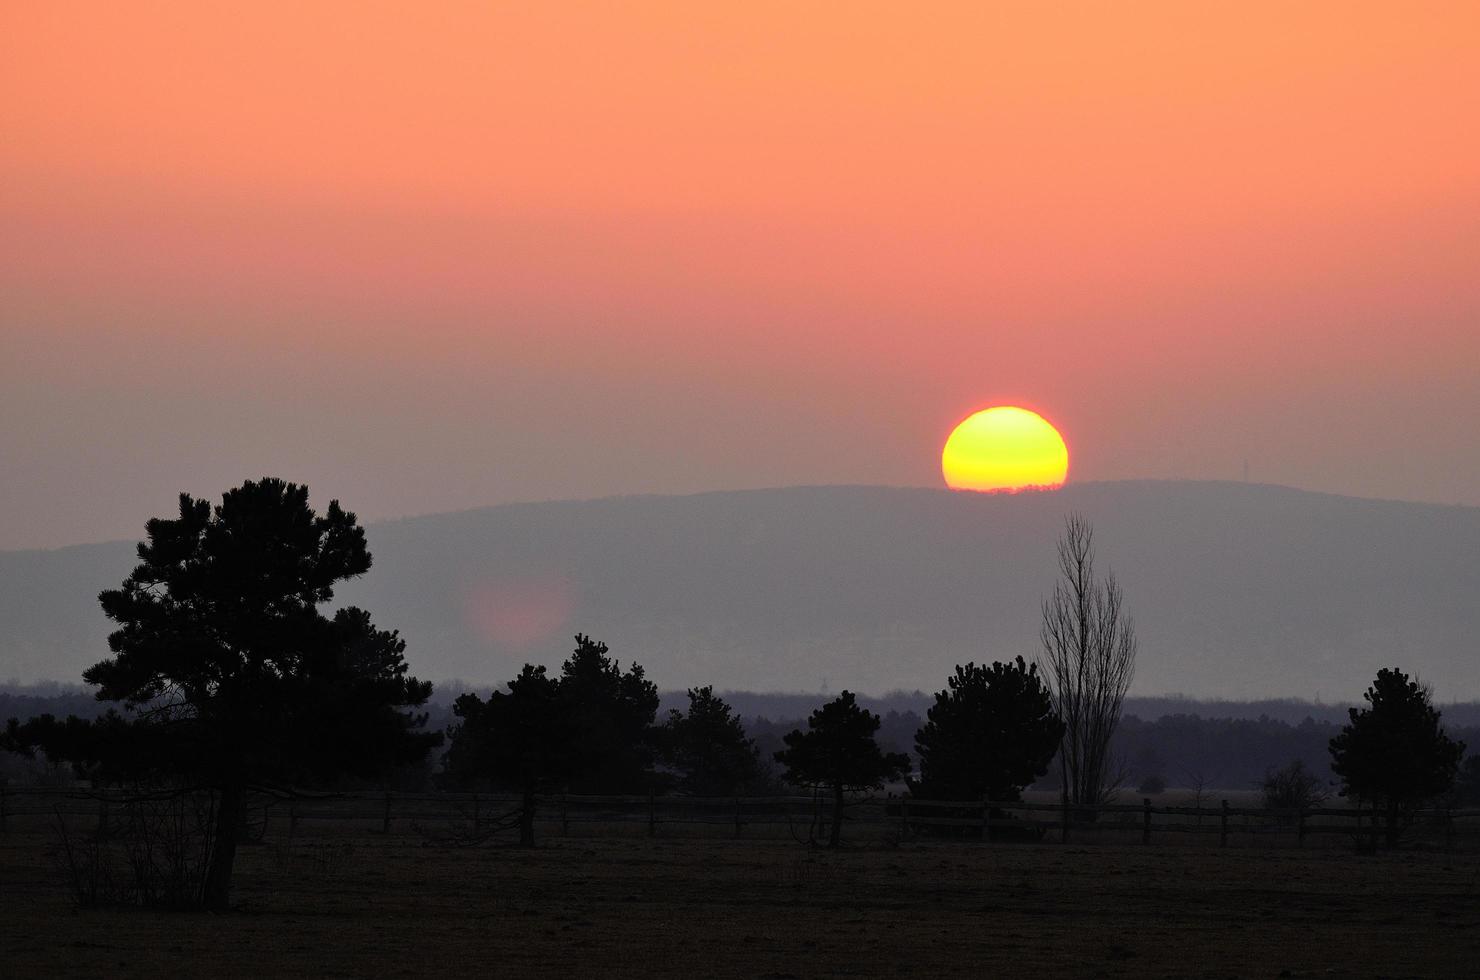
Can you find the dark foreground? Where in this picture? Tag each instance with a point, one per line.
(684, 908)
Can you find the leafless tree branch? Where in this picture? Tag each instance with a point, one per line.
(1089, 659)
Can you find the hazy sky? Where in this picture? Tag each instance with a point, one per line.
(431, 256)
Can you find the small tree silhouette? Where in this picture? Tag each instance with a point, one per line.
(838, 752)
(1394, 753)
(990, 733)
(518, 737)
(231, 679)
(588, 729)
(609, 714)
(708, 747)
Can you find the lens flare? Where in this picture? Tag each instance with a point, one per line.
(514, 614)
(1005, 449)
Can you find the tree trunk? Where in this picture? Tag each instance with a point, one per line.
(217, 897)
(835, 834)
(526, 820)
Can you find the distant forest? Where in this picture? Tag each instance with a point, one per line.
(1183, 742)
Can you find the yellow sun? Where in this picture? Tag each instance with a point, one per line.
(1005, 448)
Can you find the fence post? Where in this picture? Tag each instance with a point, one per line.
(1300, 828)
(385, 821)
(738, 825)
(1065, 801)
(1145, 820)
(1223, 826)
(904, 818)
(103, 817)
(564, 817)
(3, 827)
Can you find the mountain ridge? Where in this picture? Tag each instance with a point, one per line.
(1240, 590)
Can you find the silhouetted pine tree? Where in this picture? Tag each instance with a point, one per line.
(610, 715)
(229, 675)
(708, 748)
(588, 730)
(992, 732)
(519, 738)
(838, 752)
(1394, 754)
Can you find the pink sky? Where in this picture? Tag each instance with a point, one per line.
(433, 260)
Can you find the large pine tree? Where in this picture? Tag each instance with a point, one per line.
(229, 675)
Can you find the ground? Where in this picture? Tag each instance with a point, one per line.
(635, 907)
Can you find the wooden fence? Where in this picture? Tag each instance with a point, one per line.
(473, 814)
(1147, 821)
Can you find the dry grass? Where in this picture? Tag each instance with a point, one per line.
(682, 908)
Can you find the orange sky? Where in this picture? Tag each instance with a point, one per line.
(437, 255)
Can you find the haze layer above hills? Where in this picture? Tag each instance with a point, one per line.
(1238, 590)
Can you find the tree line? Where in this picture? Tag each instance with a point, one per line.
(1187, 744)
(228, 676)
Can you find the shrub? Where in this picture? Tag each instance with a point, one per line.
(149, 850)
(1293, 787)
(1467, 786)
(1152, 784)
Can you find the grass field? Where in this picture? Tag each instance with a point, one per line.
(374, 905)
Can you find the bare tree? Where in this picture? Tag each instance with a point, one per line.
(1199, 782)
(1089, 657)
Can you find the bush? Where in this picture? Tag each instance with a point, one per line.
(1467, 787)
(150, 851)
(1152, 784)
(1293, 788)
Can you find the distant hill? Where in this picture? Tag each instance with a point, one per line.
(1239, 590)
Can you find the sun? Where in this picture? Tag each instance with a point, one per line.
(1005, 449)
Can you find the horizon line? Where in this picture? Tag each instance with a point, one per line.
(912, 488)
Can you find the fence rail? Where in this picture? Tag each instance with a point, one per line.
(904, 817)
